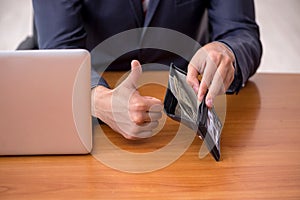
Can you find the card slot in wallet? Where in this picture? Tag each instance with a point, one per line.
(181, 104)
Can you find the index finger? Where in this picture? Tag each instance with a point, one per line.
(153, 104)
(192, 77)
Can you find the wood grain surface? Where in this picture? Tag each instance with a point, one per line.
(259, 148)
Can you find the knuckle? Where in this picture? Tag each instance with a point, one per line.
(134, 100)
(139, 106)
(137, 118)
(205, 83)
(215, 56)
(227, 60)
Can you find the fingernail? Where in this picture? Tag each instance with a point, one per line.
(135, 63)
(209, 103)
(196, 88)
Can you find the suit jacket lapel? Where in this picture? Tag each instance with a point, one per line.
(150, 12)
(137, 10)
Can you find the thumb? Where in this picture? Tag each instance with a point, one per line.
(132, 79)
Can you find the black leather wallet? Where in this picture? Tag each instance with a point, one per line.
(181, 104)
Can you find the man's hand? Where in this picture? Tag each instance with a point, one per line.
(125, 110)
(214, 62)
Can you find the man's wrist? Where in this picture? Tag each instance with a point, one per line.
(237, 83)
(96, 94)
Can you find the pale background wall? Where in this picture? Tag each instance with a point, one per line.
(278, 20)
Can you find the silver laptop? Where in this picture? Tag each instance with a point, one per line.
(45, 102)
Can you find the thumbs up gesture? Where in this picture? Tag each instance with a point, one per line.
(125, 110)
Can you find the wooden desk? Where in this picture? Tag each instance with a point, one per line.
(260, 158)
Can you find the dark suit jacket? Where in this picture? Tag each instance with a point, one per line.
(86, 23)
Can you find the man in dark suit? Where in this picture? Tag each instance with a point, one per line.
(229, 56)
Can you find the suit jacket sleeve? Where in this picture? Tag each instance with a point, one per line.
(59, 26)
(233, 23)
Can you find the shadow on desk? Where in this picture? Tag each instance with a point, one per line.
(242, 114)
(241, 117)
